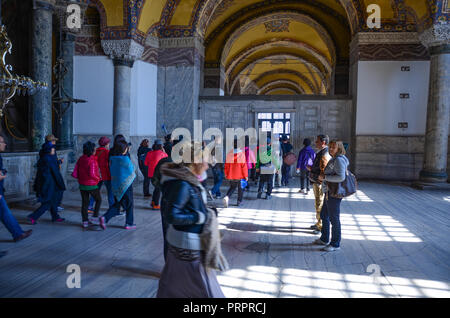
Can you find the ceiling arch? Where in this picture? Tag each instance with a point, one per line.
(281, 83)
(299, 27)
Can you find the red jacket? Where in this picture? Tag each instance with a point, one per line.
(152, 159)
(236, 166)
(102, 155)
(86, 171)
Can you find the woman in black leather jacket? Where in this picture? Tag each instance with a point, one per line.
(184, 215)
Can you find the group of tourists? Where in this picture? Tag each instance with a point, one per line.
(189, 224)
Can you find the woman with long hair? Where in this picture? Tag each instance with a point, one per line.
(335, 172)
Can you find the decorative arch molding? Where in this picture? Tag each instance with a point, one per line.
(282, 88)
(325, 68)
(287, 71)
(311, 68)
(299, 17)
(270, 85)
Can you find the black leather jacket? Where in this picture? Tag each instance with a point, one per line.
(182, 203)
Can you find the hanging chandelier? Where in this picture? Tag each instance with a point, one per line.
(11, 84)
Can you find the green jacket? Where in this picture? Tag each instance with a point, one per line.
(266, 157)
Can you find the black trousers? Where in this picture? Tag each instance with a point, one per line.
(156, 195)
(146, 184)
(127, 203)
(233, 185)
(85, 202)
(265, 178)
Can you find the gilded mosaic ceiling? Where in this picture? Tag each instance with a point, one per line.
(239, 34)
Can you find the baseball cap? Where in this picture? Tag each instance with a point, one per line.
(103, 141)
(50, 138)
(158, 142)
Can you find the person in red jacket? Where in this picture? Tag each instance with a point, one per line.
(235, 170)
(151, 160)
(102, 154)
(87, 172)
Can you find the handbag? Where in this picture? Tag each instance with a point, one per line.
(345, 188)
(289, 159)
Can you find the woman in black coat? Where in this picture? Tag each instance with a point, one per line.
(48, 184)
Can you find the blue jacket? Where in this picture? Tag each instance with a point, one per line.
(306, 157)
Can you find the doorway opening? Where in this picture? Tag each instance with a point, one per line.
(275, 123)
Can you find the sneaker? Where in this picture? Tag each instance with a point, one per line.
(155, 207)
(320, 242)
(85, 224)
(60, 208)
(259, 195)
(268, 197)
(59, 220)
(300, 191)
(90, 210)
(225, 201)
(314, 227)
(330, 248)
(31, 221)
(23, 236)
(102, 223)
(130, 227)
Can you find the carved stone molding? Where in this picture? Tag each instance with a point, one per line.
(437, 35)
(122, 49)
(152, 41)
(188, 42)
(362, 38)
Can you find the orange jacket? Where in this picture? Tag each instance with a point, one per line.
(236, 166)
(152, 159)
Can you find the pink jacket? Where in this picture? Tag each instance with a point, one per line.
(250, 158)
(87, 171)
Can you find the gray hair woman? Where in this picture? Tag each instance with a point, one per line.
(334, 172)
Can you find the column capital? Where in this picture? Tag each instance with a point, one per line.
(44, 5)
(437, 36)
(124, 50)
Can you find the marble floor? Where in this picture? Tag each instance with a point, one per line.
(395, 243)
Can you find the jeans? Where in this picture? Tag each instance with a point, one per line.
(8, 220)
(304, 179)
(126, 202)
(218, 179)
(60, 197)
(331, 210)
(51, 205)
(165, 225)
(85, 201)
(266, 178)
(233, 185)
(107, 184)
(285, 172)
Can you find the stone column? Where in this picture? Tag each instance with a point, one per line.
(123, 53)
(437, 39)
(66, 129)
(122, 89)
(41, 70)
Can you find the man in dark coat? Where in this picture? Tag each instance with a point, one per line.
(48, 184)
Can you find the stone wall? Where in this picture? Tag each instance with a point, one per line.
(21, 169)
(390, 157)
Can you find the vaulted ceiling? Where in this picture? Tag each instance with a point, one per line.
(285, 46)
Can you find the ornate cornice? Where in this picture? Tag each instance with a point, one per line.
(187, 42)
(363, 38)
(123, 49)
(437, 35)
